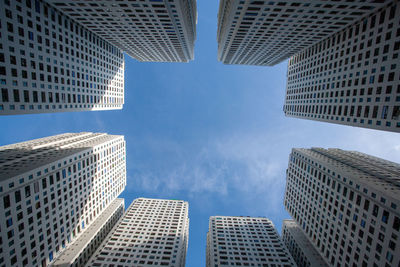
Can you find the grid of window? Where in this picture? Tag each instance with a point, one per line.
(350, 212)
(351, 78)
(268, 32)
(245, 241)
(301, 249)
(50, 193)
(82, 249)
(152, 232)
(147, 30)
(49, 63)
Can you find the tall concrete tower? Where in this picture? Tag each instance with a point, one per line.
(49, 63)
(301, 249)
(152, 232)
(265, 33)
(352, 77)
(245, 241)
(147, 30)
(53, 189)
(347, 204)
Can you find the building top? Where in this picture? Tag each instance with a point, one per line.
(382, 175)
(160, 199)
(22, 157)
(238, 217)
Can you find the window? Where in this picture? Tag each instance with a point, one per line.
(4, 95)
(35, 97)
(385, 216)
(6, 200)
(27, 191)
(9, 222)
(26, 96)
(16, 95)
(366, 205)
(17, 196)
(396, 223)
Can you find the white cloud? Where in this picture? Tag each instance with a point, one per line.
(376, 143)
(240, 167)
(249, 166)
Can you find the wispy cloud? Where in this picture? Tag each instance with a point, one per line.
(192, 175)
(236, 167)
(249, 166)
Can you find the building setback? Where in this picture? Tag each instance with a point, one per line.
(149, 30)
(301, 249)
(49, 63)
(51, 191)
(245, 241)
(152, 232)
(347, 204)
(352, 77)
(265, 33)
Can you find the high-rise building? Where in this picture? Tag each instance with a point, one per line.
(83, 247)
(49, 63)
(265, 33)
(152, 232)
(245, 241)
(52, 190)
(301, 249)
(351, 77)
(147, 30)
(347, 204)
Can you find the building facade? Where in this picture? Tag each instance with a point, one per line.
(152, 232)
(352, 77)
(49, 63)
(245, 241)
(149, 30)
(347, 204)
(82, 249)
(265, 33)
(52, 189)
(301, 249)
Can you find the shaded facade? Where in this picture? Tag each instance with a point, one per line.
(150, 30)
(52, 189)
(301, 249)
(245, 241)
(347, 204)
(152, 232)
(49, 63)
(264, 33)
(352, 77)
(82, 249)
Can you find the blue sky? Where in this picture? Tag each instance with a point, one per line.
(211, 134)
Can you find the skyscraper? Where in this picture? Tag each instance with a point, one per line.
(49, 63)
(245, 241)
(265, 33)
(351, 77)
(53, 189)
(149, 30)
(301, 249)
(152, 232)
(347, 204)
